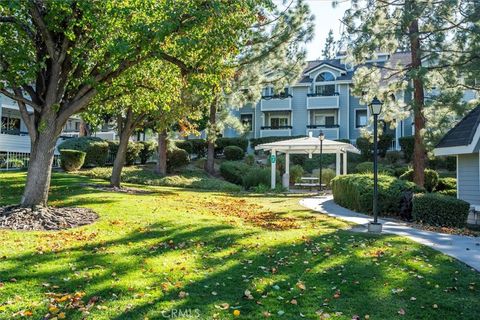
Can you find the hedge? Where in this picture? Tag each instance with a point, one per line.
(257, 141)
(440, 210)
(449, 192)
(258, 176)
(233, 171)
(199, 147)
(446, 184)
(133, 151)
(185, 145)
(71, 160)
(367, 167)
(96, 149)
(407, 144)
(248, 176)
(355, 192)
(430, 180)
(233, 153)
(148, 150)
(176, 158)
(221, 143)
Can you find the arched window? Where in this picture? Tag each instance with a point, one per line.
(324, 89)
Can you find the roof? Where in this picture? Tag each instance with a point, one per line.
(308, 145)
(463, 133)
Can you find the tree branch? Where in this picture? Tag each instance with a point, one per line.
(21, 99)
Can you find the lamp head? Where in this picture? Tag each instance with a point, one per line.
(321, 136)
(375, 106)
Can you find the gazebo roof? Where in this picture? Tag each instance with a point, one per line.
(308, 145)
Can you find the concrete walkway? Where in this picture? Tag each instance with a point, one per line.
(463, 248)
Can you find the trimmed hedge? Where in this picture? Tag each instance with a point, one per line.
(234, 171)
(449, 192)
(355, 192)
(257, 141)
(96, 149)
(446, 184)
(71, 160)
(431, 178)
(440, 210)
(221, 143)
(233, 153)
(133, 151)
(148, 150)
(176, 158)
(407, 144)
(185, 145)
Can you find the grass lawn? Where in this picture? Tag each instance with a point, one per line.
(178, 252)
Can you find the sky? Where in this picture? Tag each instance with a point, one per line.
(326, 18)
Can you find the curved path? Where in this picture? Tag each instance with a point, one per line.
(463, 248)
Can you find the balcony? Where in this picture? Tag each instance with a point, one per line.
(276, 103)
(330, 132)
(317, 101)
(280, 131)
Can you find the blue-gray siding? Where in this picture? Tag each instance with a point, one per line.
(468, 178)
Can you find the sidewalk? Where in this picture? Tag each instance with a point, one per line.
(463, 248)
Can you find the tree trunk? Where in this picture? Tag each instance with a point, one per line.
(210, 164)
(162, 153)
(119, 163)
(419, 152)
(40, 169)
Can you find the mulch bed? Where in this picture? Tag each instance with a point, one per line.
(115, 189)
(45, 218)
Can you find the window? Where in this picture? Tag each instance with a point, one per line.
(77, 126)
(277, 122)
(247, 121)
(322, 118)
(325, 89)
(10, 124)
(360, 118)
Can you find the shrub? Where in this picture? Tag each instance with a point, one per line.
(133, 152)
(355, 192)
(393, 156)
(431, 178)
(257, 141)
(446, 184)
(398, 171)
(185, 145)
(314, 163)
(407, 144)
(327, 175)
(95, 148)
(71, 160)
(257, 176)
(250, 159)
(148, 150)
(367, 167)
(440, 210)
(12, 163)
(221, 143)
(199, 147)
(296, 172)
(233, 171)
(233, 153)
(176, 158)
(449, 192)
(365, 147)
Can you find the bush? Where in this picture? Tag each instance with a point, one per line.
(392, 156)
(398, 171)
(71, 160)
(446, 184)
(133, 152)
(367, 167)
(355, 192)
(449, 192)
(233, 171)
(407, 144)
(184, 145)
(327, 175)
(12, 163)
(366, 147)
(233, 153)
(257, 141)
(148, 150)
(95, 148)
(257, 176)
(176, 158)
(431, 178)
(314, 163)
(440, 210)
(296, 172)
(250, 159)
(221, 143)
(199, 147)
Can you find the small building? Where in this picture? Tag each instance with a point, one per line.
(463, 141)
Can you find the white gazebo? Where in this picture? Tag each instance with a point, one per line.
(307, 145)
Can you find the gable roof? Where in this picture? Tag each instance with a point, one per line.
(463, 133)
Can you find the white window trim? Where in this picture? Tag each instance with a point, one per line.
(355, 118)
(324, 113)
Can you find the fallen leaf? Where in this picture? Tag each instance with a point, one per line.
(401, 312)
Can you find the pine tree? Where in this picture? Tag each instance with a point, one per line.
(330, 46)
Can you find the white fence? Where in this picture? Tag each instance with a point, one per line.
(20, 160)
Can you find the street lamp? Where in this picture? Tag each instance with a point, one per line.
(375, 108)
(321, 137)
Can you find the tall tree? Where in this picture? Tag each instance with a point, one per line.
(329, 47)
(430, 68)
(54, 55)
(271, 54)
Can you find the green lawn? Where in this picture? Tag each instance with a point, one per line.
(186, 252)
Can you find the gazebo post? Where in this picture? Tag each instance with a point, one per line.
(337, 164)
(273, 161)
(286, 183)
(345, 162)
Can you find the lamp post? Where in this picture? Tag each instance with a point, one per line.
(375, 108)
(321, 137)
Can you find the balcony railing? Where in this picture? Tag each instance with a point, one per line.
(276, 131)
(275, 127)
(277, 96)
(331, 133)
(276, 103)
(319, 126)
(319, 94)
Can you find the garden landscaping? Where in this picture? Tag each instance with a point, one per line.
(213, 254)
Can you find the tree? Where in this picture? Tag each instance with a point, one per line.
(271, 54)
(430, 68)
(330, 46)
(54, 55)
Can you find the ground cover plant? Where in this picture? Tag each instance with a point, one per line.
(167, 250)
